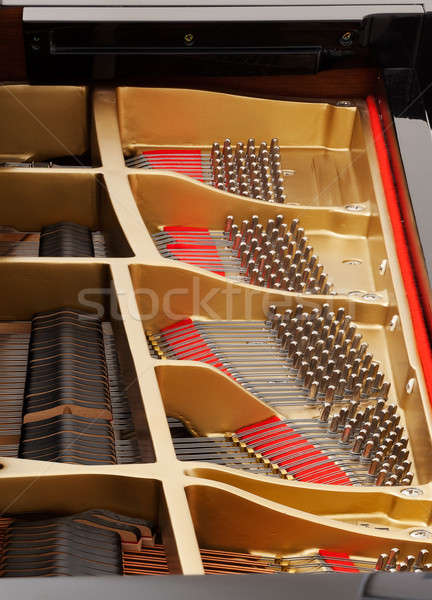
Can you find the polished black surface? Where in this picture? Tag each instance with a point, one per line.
(82, 50)
(406, 98)
(132, 51)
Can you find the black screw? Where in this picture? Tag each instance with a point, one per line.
(346, 39)
(189, 39)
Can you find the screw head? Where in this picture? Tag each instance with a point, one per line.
(354, 207)
(412, 492)
(420, 533)
(410, 385)
(352, 261)
(383, 267)
(370, 297)
(394, 322)
(189, 38)
(346, 39)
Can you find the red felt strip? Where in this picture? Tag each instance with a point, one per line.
(343, 563)
(192, 343)
(201, 258)
(196, 253)
(341, 479)
(175, 337)
(193, 338)
(270, 420)
(177, 159)
(173, 152)
(184, 348)
(197, 257)
(178, 324)
(310, 469)
(176, 228)
(402, 246)
(178, 333)
(200, 247)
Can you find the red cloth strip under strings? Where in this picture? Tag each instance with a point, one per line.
(186, 343)
(195, 254)
(174, 228)
(338, 561)
(292, 444)
(402, 246)
(181, 160)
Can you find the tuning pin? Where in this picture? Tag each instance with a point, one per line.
(410, 560)
(274, 144)
(357, 446)
(251, 146)
(233, 231)
(393, 557)
(228, 223)
(325, 413)
(381, 562)
(422, 557)
(407, 480)
(333, 426)
(239, 147)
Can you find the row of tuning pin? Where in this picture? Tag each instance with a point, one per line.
(334, 364)
(374, 437)
(327, 353)
(367, 444)
(276, 255)
(390, 562)
(248, 171)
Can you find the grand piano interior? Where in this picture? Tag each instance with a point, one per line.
(215, 321)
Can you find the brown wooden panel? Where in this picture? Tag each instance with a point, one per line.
(12, 57)
(337, 83)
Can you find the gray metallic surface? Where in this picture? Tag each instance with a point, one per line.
(208, 3)
(230, 13)
(378, 586)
